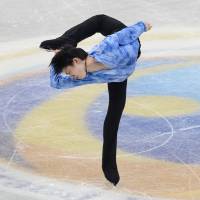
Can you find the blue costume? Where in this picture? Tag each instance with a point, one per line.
(117, 51)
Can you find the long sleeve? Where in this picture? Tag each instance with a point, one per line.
(60, 81)
(127, 34)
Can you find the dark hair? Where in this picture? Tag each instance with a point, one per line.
(65, 55)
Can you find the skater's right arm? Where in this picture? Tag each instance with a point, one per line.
(61, 81)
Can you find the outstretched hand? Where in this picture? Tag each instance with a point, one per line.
(148, 26)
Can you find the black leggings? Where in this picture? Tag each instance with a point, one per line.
(105, 25)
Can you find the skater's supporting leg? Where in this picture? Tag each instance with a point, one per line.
(117, 100)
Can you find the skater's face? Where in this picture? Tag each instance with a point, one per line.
(77, 69)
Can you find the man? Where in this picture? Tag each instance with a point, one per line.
(111, 61)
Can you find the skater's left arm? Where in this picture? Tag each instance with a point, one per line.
(128, 34)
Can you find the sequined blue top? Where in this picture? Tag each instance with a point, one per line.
(117, 51)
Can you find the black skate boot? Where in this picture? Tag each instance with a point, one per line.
(57, 43)
(111, 174)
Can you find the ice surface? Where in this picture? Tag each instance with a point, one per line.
(24, 24)
(15, 184)
(26, 18)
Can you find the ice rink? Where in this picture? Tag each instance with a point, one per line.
(51, 140)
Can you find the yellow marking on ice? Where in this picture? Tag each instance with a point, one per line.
(60, 122)
(18, 54)
(167, 106)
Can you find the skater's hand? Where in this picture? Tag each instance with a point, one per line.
(53, 50)
(148, 26)
(56, 50)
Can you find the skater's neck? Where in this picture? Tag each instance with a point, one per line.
(92, 65)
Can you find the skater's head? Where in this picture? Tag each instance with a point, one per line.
(70, 60)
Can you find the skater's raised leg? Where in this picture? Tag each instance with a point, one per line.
(101, 23)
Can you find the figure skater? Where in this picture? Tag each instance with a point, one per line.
(111, 61)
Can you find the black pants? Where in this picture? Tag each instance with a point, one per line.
(105, 25)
